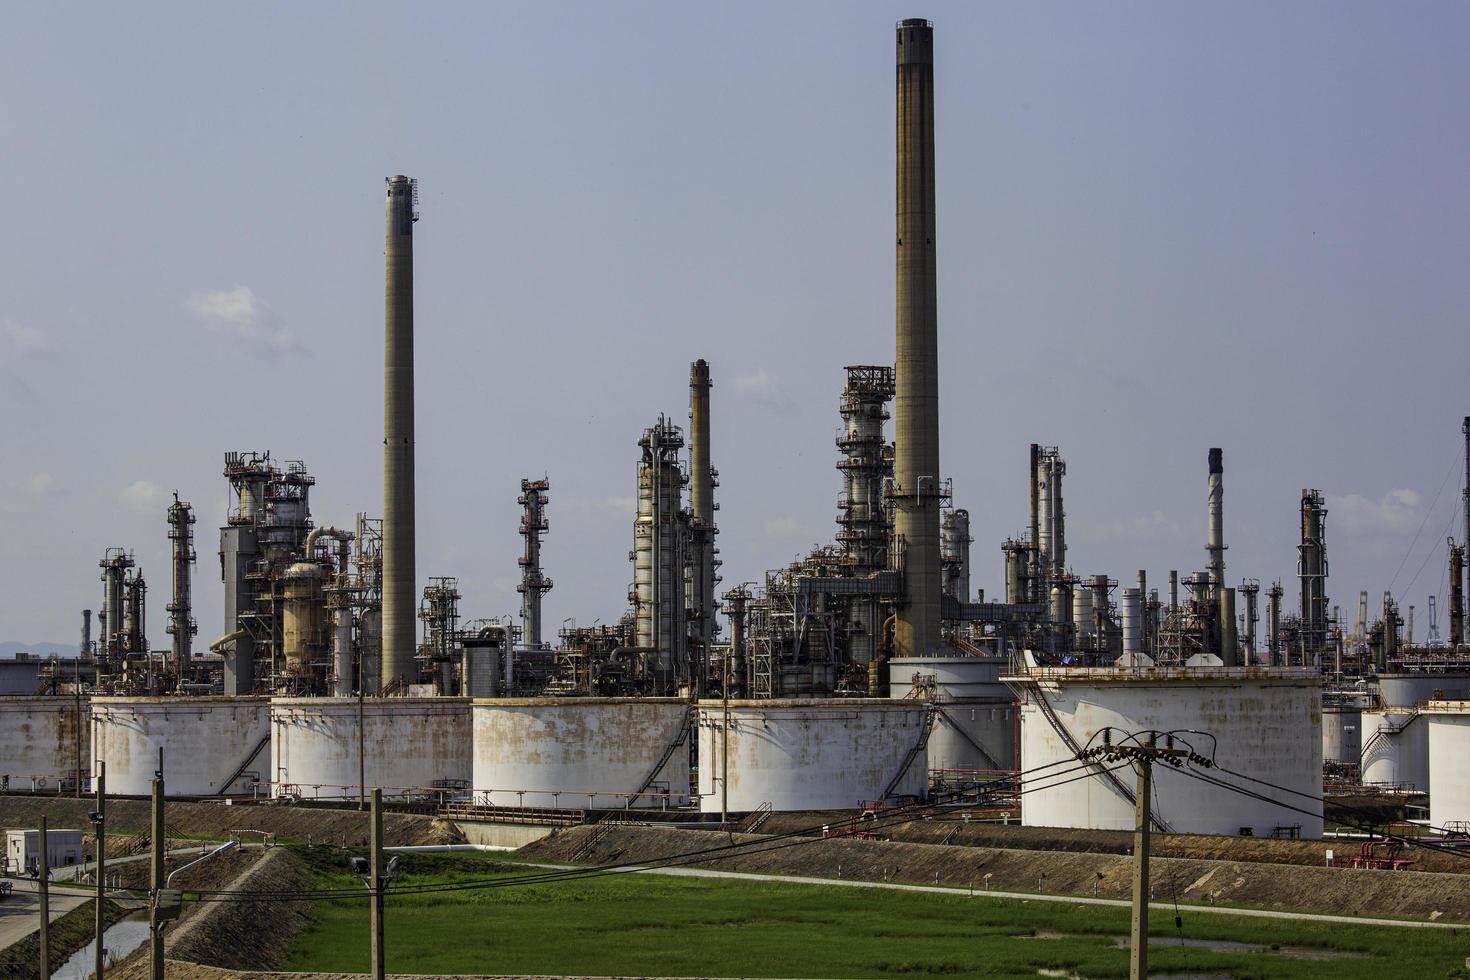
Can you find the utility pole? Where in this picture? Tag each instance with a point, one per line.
(99, 821)
(376, 843)
(1138, 934)
(76, 683)
(725, 743)
(1143, 750)
(43, 880)
(155, 922)
(361, 739)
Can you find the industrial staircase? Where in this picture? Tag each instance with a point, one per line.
(926, 728)
(224, 787)
(598, 835)
(757, 817)
(1065, 735)
(658, 767)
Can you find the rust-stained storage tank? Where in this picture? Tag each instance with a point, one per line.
(581, 752)
(409, 747)
(44, 740)
(827, 754)
(212, 746)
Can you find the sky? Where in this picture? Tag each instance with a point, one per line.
(1162, 227)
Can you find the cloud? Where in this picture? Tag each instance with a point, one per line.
(504, 584)
(625, 506)
(142, 497)
(1154, 526)
(22, 494)
(243, 318)
(19, 340)
(39, 484)
(1396, 512)
(760, 387)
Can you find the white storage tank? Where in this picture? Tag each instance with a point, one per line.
(1266, 723)
(1409, 688)
(212, 746)
(974, 736)
(1449, 777)
(39, 741)
(1342, 729)
(598, 753)
(408, 747)
(823, 754)
(1395, 752)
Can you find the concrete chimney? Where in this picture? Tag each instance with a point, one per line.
(702, 506)
(1215, 544)
(400, 601)
(916, 405)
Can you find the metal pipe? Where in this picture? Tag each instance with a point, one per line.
(1215, 545)
(400, 605)
(916, 403)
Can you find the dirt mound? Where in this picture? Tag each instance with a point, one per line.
(1400, 894)
(217, 820)
(951, 828)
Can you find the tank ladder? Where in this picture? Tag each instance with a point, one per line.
(225, 786)
(673, 746)
(926, 728)
(1066, 736)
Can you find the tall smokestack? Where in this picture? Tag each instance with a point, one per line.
(702, 506)
(916, 405)
(1215, 544)
(1465, 497)
(400, 603)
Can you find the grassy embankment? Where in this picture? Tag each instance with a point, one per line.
(645, 925)
(69, 933)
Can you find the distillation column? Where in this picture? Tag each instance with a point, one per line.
(916, 405)
(400, 604)
(181, 625)
(1457, 594)
(1312, 568)
(534, 585)
(861, 519)
(659, 544)
(1215, 545)
(955, 544)
(703, 478)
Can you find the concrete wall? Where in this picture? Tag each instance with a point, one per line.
(809, 754)
(564, 752)
(1449, 747)
(1395, 748)
(38, 739)
(205, 740)
(1268, 727)
(407, 744)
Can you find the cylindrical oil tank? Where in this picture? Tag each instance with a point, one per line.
(825, 754)
(481, 660)
(303, 619)
(1342, 728)
(39, 739)
(1394, 748)
(212, 746)
(1405, 690)
(1449, 777)
(1265, 723)
(409, 747)
(975, 727)
(1083, 617)
(599, 753)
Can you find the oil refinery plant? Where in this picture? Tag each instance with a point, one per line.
(867, 670)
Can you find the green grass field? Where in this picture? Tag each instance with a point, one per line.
(647, 925)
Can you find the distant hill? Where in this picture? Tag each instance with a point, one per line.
(9, 648)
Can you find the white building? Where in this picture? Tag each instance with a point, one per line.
(23, 850)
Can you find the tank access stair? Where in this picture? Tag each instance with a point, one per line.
(926, 728)
(244, 766)
(1060, 727)
(658, 767)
